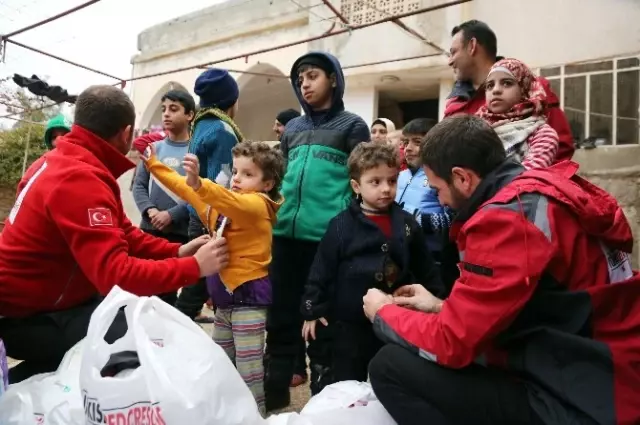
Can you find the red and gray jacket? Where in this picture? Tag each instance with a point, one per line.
(546, 292)
(464, 99)
(67, 237)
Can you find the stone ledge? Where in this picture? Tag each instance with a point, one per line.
(624, 172)
(283, 17)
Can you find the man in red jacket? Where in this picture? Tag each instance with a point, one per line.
(542, 325)
(473, 52)
(67, 240)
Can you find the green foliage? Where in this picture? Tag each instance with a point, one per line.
(12, 149)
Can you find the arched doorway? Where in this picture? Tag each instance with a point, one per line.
(264, 92)
(152, 115)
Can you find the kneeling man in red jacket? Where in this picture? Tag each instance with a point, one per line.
(542, 325)
(67, 240)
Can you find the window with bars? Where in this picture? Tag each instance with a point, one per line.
(600, 99)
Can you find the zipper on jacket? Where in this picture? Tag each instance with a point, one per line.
(304, 165)
(406, 187)
(66, 285)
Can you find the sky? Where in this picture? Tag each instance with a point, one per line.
(102, 36)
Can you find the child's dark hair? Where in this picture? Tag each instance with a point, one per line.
(419, 126)
(183, 98)
(308, 67)
(270, 161)
(369, 155)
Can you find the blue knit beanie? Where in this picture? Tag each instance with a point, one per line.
(216, 88)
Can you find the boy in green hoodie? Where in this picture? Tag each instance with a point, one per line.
(315, 188)
(56, 127)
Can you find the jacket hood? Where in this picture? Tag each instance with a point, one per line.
(85, 146)
(598, 213)
(273, 206)
(552, 100)
(337, 104)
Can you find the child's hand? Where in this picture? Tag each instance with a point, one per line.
(191, 167)
(309, 328)
(149, 152)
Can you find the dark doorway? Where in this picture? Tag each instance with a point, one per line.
(419, 109)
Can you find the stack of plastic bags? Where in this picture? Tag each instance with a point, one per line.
(49, 398)
(165, 371)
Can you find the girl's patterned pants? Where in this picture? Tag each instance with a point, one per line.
(240, 331)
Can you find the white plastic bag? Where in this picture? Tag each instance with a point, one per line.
(48, 398)
(340, 395)
(290, 419)
(343, 403)
(183, 377)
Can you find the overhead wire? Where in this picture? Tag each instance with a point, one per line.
(67, 61)
(6, 38)
(347, 28)
(302, 41)
(47, 20)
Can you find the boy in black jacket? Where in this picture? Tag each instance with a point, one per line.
(372, 244)
(315, 188)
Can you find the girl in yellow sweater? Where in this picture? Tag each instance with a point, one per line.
(245, 215)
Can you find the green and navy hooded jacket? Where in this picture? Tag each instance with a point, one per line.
(317, 145)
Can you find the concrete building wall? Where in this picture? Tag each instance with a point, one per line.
(250, 25)
(552, 32)
(205, 37)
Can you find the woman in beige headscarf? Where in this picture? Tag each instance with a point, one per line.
(380, 128)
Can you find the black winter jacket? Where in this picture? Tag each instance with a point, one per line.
(352, 258)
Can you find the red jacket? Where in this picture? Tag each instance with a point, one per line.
(31, 171)
(546, 292)
(67, 237)
(464, 99)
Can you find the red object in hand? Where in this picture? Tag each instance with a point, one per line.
(142, 142)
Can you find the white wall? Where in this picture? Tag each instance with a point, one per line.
(258, 109)
(362, 101)
(554, 32)
(445, 90)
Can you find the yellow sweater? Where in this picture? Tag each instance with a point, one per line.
(250, 215)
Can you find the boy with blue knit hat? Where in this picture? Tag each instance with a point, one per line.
(316, 189)
(214, 131)
(213, 136)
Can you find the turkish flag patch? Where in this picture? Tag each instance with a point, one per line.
(100, 217)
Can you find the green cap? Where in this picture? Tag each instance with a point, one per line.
(59, 121)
